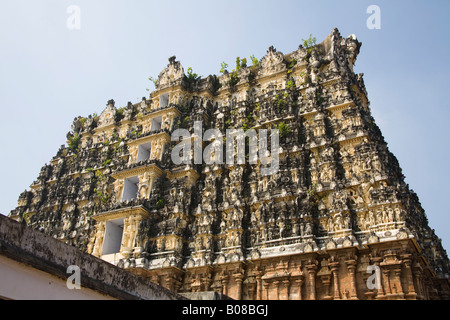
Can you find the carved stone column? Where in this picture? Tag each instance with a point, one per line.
(276, 285)
(137, 249)
(206, 282)
(419, 285)
(386, 276)
(266, 290)
(312, 268)
(258, 287)
(177, 285)
(224, 281)
(299, 283)
(351, 266)
(238, 277)
(398, 281)
(407, 261)
(326, 281)
(376, 261)
(251, 290)
(285, 289)
(334, 267)
(170, 282)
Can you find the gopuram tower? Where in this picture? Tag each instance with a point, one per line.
(335, 221)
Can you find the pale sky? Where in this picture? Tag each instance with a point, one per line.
(50, 74)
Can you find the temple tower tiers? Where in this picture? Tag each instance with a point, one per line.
(335, 221)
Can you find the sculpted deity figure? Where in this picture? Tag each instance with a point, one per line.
(118, 188)
(91, 244)
(126, 233)
(338, 222)
(399, 215)
(168, 120)
(133, 154)
(99, 239)
(256, 216)
(281, 228)
(198, 245)
(295, 229)
(222, 226)
(347, 222)
(156, 150)
(379, 216)
(131, 230)
(330, 224)
(237, 239)
(144, 185)
(308, 229)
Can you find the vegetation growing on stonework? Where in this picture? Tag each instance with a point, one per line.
(313, 193)
(106, 163)
(308, 44)
(217, 84)
(319, 98)
(119, 114)
(246, 125)
(281, 100)
(100, 181)
(219, 215)
(283, 129)
(223, 67)
(240, 63)
(154, 80)
(290, 84)
(73, 142)
(234, 79)
(192, 76)
(160, 203)
(228, 124)
(291, 65)
(255, 61)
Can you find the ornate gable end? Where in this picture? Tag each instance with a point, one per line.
(107, 116)
(172, 75)
(272, 62)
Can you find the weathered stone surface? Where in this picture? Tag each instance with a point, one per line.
(337, 205)
(25, 245)
(205, 295)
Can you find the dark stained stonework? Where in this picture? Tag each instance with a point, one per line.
(337, 206)
(31, 248)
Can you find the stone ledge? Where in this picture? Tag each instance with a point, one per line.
(28, 246)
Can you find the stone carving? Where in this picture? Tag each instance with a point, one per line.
(338, 198)
(107, 116)
(272, 62)
(172, 74)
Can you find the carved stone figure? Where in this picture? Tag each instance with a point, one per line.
(336, 205)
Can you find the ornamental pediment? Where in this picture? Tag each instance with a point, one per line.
(161, 136)
(122, 213)
(272, 62)
(106, 118)
(172, 74)
(152, 169)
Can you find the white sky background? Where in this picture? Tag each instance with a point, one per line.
(49, 74)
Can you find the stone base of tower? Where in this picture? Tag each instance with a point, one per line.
(392, 270)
